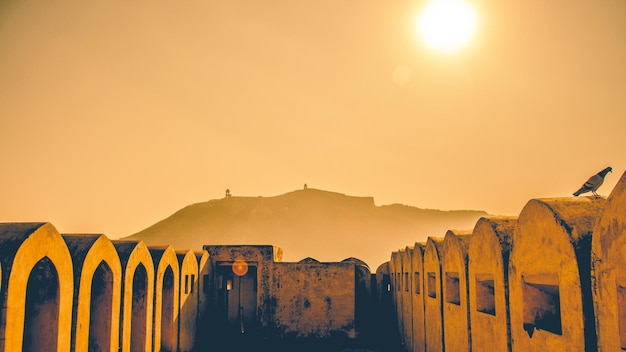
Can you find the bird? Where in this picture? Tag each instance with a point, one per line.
(593, 183)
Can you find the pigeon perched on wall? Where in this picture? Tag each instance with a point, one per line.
(593, 183)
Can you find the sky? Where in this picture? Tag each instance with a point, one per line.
(115, 114)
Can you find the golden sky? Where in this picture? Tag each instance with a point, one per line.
(114, 114)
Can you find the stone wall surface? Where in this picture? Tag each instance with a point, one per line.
(314, 300)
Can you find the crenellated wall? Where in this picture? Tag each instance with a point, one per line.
(551, 279)
(84, 292)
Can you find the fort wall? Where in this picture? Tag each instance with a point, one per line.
(551, 279)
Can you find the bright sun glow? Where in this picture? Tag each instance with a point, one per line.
(447, 25)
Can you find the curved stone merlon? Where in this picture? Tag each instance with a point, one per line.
(137, 295)
(204, 279)
(188, 303)
(550, 275)
(97, 283)
(488, 258)
(37, 284)
(417, 297)
(456, 327)
(166, 297)
(609, 266)
(433, 301)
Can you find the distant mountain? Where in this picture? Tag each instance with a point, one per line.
(324, 225)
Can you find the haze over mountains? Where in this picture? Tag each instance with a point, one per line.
(324, 225)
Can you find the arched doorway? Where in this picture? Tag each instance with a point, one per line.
(237, 299)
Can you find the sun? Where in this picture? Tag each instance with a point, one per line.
(447, 25)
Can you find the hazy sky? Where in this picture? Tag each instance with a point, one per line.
(114, 114)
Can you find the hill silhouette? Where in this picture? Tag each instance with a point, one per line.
(324, 225)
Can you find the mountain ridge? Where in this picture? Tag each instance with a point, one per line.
(324, 225)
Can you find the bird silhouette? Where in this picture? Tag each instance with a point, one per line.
(593, 183)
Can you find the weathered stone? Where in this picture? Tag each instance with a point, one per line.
(549, 275)
(609, 268)
(433, 301)
(137, 295)
(166, 298)
(188, 304)
(37, 288)
(417, 274)
(97, 287)
(456, 328)
(489, 252)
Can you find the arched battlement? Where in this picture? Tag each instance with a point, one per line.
(37, 288)
(188, 292)
(97, 284)
(609, 266)
(406, 294)
(397, 275)
(137, 295)
(455, 290)
(433, 302)
(488, 254)
(166, 296)
(549, 275)
(383, 281)
(417, 294)
(204, 279)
